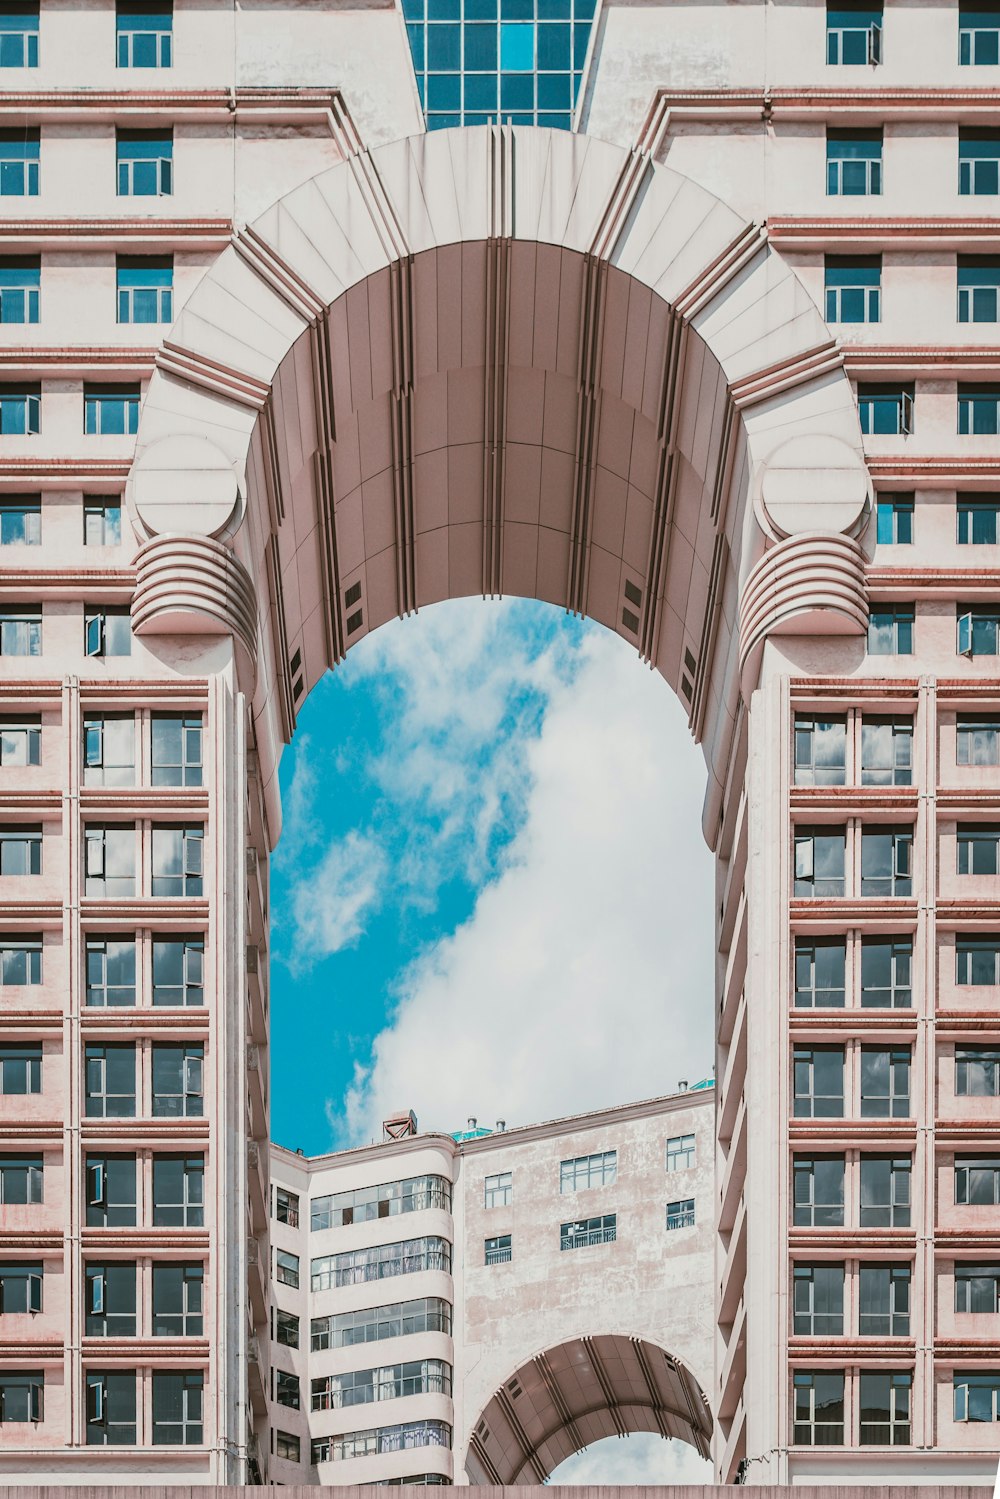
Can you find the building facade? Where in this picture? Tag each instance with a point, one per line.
(719, 368)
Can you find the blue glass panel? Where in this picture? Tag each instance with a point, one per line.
(444, 91)
(443, 122)
(416, 36)
(517, 51)
(444, 48)
(517, 91)
(480, 50)
(554, 47)
(481, 91)
(555, 91)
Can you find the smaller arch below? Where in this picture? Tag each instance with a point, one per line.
(577, 1393)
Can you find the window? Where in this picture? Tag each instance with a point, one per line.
(286, 1207)
(885, 1408)
(978, 162)
(111, 972)
(977, 1288)
(20, 1067)
(680, 1152)
(144, 30)
(818, 1301)
(819, 861)
(110, 1188)
(429, 1376)
(853, 288)
(177, 1408)
(178, 1304)
(818, 1191)
(387, 1200)
(287, 1389)
(977, 1071)
(20, 961)
(885, 1191)
(978, 849)
(600, 1170)
(588, 1231)
(178, 865)
(111, 410)
(894, 520)
(20, 280)
(109, 861)
(680, 1214)
(177, 742)
(977, 1180)
(498, 1251)
(887, 752)
(977, 740)
(21, 1288)
(978, 33)
(145, 163)
(20, 741)
(286, 1268)
(145, 288)
(978, 289)
(102, 522)
(21, 1396)
(818, 1082)
(286, 1446)
(884, 1310)
(107, 630)
(820, 751)
(853, 163)
(977, 960)
(110, 1300)
(820, 973)
(890, 630)
(977, 1397)
(978, 410)
(286, 1329)
(21, 522)
(380, 1262)
(178, 970)
(111, 1408)
(401, 1438)
(819, 1409)
(19, 34)
(109, 749)
(978, 631)
(498, 1190)
(886, 410)
(885, 1082)
(398, 1320)
(887, 861)
(19, 164)
(21, 850)
(977, 520)
(179, 1191)
(178, 1081)
(21, 632)
(853, 32)
(109, 1073)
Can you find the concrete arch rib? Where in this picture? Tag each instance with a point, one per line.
(494, 360)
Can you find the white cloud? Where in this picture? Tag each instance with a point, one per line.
(584, 975)
(329, 903)
(642, 1458)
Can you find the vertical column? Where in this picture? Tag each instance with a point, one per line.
(72, 937)
(925, 1067)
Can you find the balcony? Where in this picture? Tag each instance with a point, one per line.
(499, 1256)
(257, 1377)
(257, 1178)
(256, 994)
(257, 1091)
(257, 1258)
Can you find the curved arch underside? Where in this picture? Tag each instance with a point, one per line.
(570, 1396)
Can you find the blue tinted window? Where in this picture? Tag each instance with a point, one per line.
(111, 409)
(144, 34)
(20, 277)
(145, 163)
(145, 288)
(19, 163)
(19, 34)
(517, 47)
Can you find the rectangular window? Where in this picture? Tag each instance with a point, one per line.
(20, 410)
(21, 522)
(286, 1329)
(890, 630)
(497, 1251)
(401, 1438)
(853, 288)
(599, 1170)
(286, 1446)
(680, 1152)
(894, 520)
(19, 151)
(20, 1067)
(179, 970)
(977, 1180)
(111, 972)
(820, 855)
(978, 162)
(887, 752)
(977, 1071)
(145, 288)
(820, 751)
(179, 1191)
(286, 1268)
(145, 163)
(144, 33)
(977, 960)
(886, 410)
(977, 1288)
(887, 861)
(178, 1081)
(110, 1300)
(819, 1409)
(977, 740)
(21, 632)
(885, 1408)
(21, 1288)
(111, 1409)
(818, 1191)
(977, 520)
(498, 1190)
(978, 33)
(680, 1214)
(885, 1082)
(20, 740)
(885, 1191)
(20, 850)
(177, 749)
(21, 1396)
(286, 1389)
(19, 34)
(884, 1307)
(109, 861)
(109, 1072)
(107, 630)
(586, 1232)
(978, 289)
(978, 631)
(286, 1207)
(109, 749)
(381, 1262)
(429, 1376)
(818, 1082)
(20, 280)
(178, 863)
(387, 1200)
(853, 33)
(978, 849)
(818, 1301)
(111, 1191)
(853, 163)
(977, 1396)
(398, 1320)
(111, 410)
(178, 1301)
(102, 521)
(978, 410)
(177, 1408)
(820, 973)
(20, 960)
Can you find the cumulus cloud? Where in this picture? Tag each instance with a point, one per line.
(642, 1458)
(329, 904)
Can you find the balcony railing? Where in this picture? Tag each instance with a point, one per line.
(592, 1236)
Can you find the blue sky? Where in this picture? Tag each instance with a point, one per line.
(491, 853)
